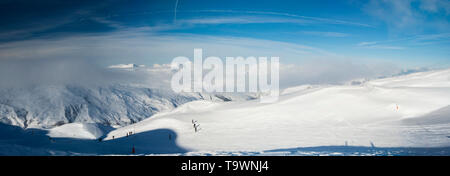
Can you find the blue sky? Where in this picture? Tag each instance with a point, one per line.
(407, 33)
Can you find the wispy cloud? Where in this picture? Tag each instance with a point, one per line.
(377, 45)
(431, 39)
(256, 17)
(406, 17)
(396, 13)
(435, 6)
(175, 11)
(107, 22)
(37, 24)
(367, 43)
(325, 34)
(142, 44)
(411, 41)
(310, 18)
(243, 20)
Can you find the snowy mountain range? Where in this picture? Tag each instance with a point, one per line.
(114, 105)
(407, 114)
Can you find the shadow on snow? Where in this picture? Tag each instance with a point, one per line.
(17, 141)
(361, 150)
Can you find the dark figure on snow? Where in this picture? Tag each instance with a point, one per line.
(196, 127)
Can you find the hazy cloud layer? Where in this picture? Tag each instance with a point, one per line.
(26, 73)
(85, 59)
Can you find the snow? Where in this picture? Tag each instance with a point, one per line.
(76, 130)
(116, 105)
(49, 106)
(325, 116)
(438, 78)
(404, 115)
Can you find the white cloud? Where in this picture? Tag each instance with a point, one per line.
(395, 13)
(435, 6)
(244, 20)
(308, 19)
(377, 45)
(413, 40)
(75, 59)
(366, 43)
(326, 34)
(126, 66)
(336, 71)
(404, 17)
(142, 47)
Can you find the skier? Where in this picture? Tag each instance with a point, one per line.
(195, 124)
(196, 127)
(133, 151)
(113, 137)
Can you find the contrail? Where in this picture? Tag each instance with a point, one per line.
(175, 12)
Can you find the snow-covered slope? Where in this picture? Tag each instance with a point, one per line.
(376, 113)
(400, 115)
(439, 78)
(114, 105)
(76, 130)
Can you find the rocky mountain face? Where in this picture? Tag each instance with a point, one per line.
(114, 105)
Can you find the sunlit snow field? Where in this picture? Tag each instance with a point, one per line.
(404, 115)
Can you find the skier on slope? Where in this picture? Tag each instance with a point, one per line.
(196, 127)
